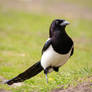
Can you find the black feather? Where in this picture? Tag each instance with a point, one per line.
(30, 72)
(47, 44)
(72, 51)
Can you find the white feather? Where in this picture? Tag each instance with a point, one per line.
(52, 58)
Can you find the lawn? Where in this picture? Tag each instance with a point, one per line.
(22, 35)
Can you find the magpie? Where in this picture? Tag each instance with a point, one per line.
(56, 51)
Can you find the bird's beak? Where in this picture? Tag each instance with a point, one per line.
(65, 23)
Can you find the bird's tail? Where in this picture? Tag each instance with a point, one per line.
(30, 72)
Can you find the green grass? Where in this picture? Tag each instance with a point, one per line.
(22, 35)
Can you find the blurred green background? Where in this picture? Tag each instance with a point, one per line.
(24, 28)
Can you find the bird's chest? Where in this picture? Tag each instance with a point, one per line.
(52, 58)
(62, 45)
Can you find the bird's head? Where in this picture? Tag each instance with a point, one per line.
(58, 25)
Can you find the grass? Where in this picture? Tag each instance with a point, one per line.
(22, 35)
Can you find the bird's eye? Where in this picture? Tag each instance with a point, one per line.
(57, 22)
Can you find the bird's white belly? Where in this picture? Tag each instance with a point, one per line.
(52, 58)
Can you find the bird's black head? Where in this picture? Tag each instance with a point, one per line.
(58, 25)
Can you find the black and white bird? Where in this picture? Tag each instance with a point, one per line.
(57, 50)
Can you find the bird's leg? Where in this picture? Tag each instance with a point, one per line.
(45, 72)
(46, 78)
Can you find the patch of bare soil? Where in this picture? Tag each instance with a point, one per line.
(82, 87)
(2, 79)
(1, 82)
(3, 90)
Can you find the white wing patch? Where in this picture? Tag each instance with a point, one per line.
(52, 58)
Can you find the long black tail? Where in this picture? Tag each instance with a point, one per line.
(30, 72)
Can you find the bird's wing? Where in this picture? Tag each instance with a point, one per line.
(72, 51)
(46, 45)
